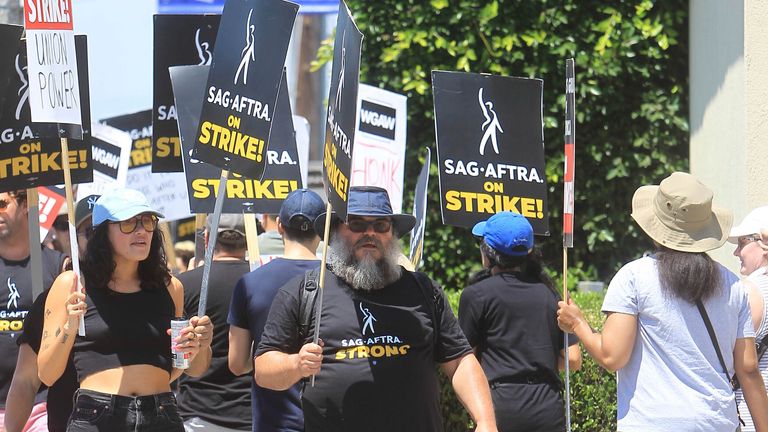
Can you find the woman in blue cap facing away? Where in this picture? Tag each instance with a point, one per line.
(124, 361)
(509, 318)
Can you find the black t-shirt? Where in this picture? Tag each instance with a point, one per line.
(218, 396)
(513, 325)
(59, 404)
(272, 411)
(379, 357)
(15, 302)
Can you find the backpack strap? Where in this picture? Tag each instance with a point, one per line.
(434, 301)
(307, 297)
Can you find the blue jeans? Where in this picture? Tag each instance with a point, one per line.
(94, 411)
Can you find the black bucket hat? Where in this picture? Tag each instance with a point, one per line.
(370, 201)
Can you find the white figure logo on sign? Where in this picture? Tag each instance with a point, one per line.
(23, 90)
(248, 54)
(341, 73)
(202, 50)
(491, 124)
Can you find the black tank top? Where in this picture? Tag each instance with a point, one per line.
(124, 329)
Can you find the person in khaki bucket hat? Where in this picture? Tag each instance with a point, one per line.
(677, 323)
(678, 214)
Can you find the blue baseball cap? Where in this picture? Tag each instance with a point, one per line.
(300, 209)
(121, 204)
(506, 232)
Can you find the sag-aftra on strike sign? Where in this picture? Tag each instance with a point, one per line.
(54, 94)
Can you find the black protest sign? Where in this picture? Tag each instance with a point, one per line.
(30, 153)
(166, 192)
(490, 148)
(342, 111)
(240, 96)
(281, 176)
(139, 127)
(10, 38)
(185, 230)
(179, 40)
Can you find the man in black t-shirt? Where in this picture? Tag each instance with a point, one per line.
(377, 328)
(19, 394)
(217, 400)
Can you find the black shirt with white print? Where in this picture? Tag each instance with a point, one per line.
(378, 371)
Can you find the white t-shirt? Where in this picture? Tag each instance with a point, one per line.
(673, 381)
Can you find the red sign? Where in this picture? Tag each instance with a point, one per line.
(48, 14)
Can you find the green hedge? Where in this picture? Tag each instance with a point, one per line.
(593, 389)
(631, 104)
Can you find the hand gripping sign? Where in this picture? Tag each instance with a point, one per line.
(240, 97)
(179, 40)
(490, 148)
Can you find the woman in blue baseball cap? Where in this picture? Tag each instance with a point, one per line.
(124, 361)
(509, 317)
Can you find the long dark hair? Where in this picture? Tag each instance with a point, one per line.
(531, 268)
(98, 264)
(688, 276)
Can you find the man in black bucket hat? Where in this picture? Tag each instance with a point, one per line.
(382, 330)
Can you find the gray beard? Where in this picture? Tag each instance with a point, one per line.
(366, 274)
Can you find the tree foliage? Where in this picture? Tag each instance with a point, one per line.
(631, 104)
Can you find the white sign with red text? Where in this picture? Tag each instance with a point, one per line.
(54, 93)
(379, 156)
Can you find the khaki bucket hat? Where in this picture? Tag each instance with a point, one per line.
(678, 214)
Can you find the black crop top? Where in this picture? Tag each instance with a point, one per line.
(124, 329)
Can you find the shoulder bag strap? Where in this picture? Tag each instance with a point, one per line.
(713, 337)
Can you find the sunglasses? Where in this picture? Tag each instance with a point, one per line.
(745, 240)
(4, 203)
(361, 225)
(148, 222)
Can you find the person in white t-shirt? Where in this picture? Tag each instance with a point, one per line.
(753, 257)
(670, 376)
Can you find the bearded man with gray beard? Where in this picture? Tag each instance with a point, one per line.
(381, 334)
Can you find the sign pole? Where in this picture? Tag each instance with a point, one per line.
(213, 232)
(321, 282)
(252, 240)
(35, 254)
(568, 201)
(199, 238)
(74, 252)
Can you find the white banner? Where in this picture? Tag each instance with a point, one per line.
(379, 156)
(111, 149)
(54, 92)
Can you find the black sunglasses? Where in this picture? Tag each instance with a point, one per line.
(148, 222)
(361, 225)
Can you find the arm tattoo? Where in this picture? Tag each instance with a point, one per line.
(47, 312)
(58, 331)
(64, 339)
(45, 334)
